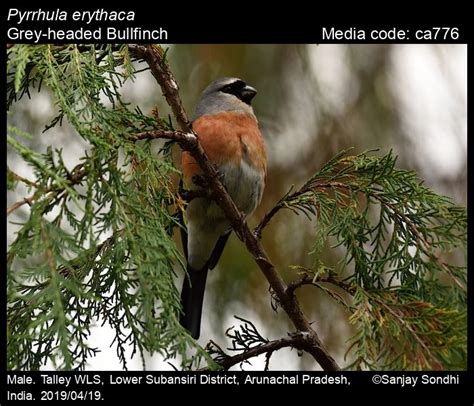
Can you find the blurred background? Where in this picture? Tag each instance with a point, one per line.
(312, 102)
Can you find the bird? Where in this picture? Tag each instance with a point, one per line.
(227, 129)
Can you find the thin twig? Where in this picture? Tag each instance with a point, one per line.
(75, 177)
(268, 355)
(306, 280)
(22, 179)
(26, 200)
(266, 219)
(298, 341)
(306, 188)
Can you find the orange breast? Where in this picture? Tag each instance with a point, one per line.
(227, 137)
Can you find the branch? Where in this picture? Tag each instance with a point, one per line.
(298, 340)
(307, 280)
(282, 203)
(266, 219)
(181, 137)
(316, 282)
(154, 57)
(310, 187)
(26, 200)
(21, 178)
(75, 177)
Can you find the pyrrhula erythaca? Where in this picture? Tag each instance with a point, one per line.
(228, 132)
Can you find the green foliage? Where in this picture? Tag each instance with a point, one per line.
(397, 330)
(97, 246)
(409, 303)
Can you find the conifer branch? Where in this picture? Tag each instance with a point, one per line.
(308, 280)
(297, 341)
(17, 205)
(400, 317)
(97, 240)
(310, 187)
(20, 178)
(250, 343)
(75, 177)
(153, 56)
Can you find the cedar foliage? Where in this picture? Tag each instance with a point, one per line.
(97, 243)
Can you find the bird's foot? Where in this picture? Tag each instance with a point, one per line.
(201, 181)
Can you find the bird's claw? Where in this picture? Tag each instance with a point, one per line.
(220, 176)
(201, 181)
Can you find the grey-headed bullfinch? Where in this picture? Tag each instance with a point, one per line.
(227, 128)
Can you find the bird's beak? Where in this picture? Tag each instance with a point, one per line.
(248, 93)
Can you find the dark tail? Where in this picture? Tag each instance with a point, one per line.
(192, 297)
(194, 284)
